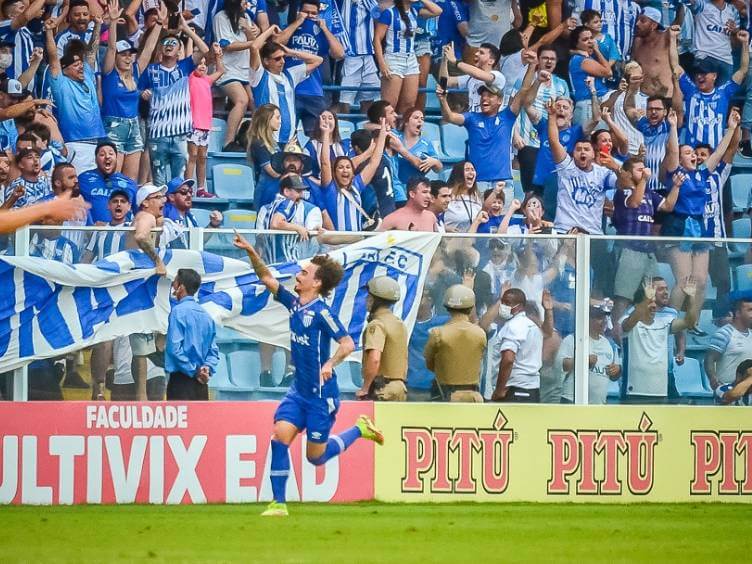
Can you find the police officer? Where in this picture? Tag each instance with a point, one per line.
(384, 344)
(454, 351)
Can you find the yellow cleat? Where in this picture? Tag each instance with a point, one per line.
(275, 509)
(369, 431)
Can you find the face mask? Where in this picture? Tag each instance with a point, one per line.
(505, 312)
(6, 60)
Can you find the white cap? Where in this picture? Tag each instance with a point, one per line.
(147, 190)
(652, 14)
(13, 87)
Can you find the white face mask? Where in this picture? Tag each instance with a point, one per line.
(505, 312)
(6, 60)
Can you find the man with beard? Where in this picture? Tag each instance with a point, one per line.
(99, 183)
(32, 186)
(414, 215)
(651, 50)
(178, 209)
(482, 71)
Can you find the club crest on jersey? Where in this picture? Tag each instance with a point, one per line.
(308, 318)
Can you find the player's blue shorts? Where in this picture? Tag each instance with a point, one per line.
(314, 414)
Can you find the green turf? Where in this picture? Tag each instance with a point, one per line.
(379, 533)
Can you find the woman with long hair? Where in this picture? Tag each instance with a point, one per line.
(467, 202)
(532, 217)
(262, 144)
(586, 62)
(235, 32)
(338, 147)
(420, 156)
(120, 94)
(394, 49)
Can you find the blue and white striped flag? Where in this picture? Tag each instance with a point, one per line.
(48, 309)
(331, 15)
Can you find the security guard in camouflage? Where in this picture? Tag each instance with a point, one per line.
(454, 351)
(384, 344)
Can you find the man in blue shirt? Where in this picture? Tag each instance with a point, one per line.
(313, 400)
(191, 352)
(310, 34)
(74, 90)
(98, 184)
(490, 130)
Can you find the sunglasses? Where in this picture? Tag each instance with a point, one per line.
(170, 42)
(183, 192)
(156, 197)
(279, 58)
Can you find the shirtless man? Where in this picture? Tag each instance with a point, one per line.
(651, 49)
(150, 200)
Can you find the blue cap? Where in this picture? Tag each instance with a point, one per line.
(175, 184)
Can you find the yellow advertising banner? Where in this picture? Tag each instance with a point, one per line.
(455, 452)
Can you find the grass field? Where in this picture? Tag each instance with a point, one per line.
(372, 532)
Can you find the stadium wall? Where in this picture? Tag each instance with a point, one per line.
(217, 452)
(539, 453)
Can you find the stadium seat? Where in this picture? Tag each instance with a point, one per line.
(453, 139)
(740, 187)
(744, 277)
(432, 101)
(344, 377)
(345, 128)
(201, 216)
(221, 378)
(431, 132)
(740, 229)
(663, 270)
(240, 218)
(245, 368)
(705, 323)
(688, 378)
(217, 135)
(361, 124)
(279, 365)
(233, 182)
(614, 390)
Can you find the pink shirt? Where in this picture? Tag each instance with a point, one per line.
(201, 101)
(409, 219)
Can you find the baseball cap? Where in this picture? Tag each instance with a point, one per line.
(176, 183)
(12, 88)
(653, 14)
(123, 193)
(293, 182)
(491, 89)
(147, 190)
(124, 46)
(602, 308)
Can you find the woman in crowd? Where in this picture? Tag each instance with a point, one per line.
(532, 217)
(465, 212)
(394, 49)
(592, 20)
(338, 148)
(419, 156)
(120, 95)
(341, 187)
(586, 61)
(234, 32)
(262, 145)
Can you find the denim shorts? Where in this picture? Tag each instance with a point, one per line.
(422, 46)
(679, 225)
(125, 133)
(403, 64)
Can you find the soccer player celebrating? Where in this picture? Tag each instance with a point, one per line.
(312, 401)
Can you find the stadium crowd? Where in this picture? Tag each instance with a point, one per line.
(584, 117)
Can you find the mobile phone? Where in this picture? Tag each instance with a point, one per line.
(443, 82)
(604, 148)
(173, 21)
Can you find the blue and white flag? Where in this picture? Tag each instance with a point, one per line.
(331, 15)
(48, 309)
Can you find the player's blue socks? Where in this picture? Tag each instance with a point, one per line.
(336, 445)
(280, 470)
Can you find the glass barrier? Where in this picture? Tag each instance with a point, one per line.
(677, 325)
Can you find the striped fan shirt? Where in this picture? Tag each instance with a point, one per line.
(357, 18)
(170, 109)
(656, 140)
(398, 42)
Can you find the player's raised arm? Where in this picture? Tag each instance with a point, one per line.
(262, 271)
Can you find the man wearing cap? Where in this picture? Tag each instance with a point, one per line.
(651, 50)
(165, 86)
(384, 344)
(520, 344)
(705, 105)
(290, 212)
(180, 202)
(98, 184)
(291, 160)
(454, 352)
(604, 361)
(74, 90)
(32, 186)
(490, 129)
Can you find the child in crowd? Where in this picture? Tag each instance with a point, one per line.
(200, 84)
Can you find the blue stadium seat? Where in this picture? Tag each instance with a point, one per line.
(744, 277)
(614, 390)
(361, 124)
(740, 229)
(431, 132)
(221, 378)
(245, 368)
(688, 378)
(234, 182)
(202, 216)
(432, 101)
(217, 135)
(454, 138)
(344, 377)
(740, 187)
(240, 218)
(705, 323)
(345, 128)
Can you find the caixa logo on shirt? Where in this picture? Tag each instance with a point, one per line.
(478, 455)
(718, 29)
(591, 460)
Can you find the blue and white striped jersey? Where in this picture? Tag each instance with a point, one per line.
(357, 18)
(400, 40)
(745, 400)
(286, 248)
(655, 140)
(279, 89)
(63, 38)
(24, 41)
(344, 214)
(713, 216)
(106, 243)
(705, 114)
(170, 108)
(618, 16)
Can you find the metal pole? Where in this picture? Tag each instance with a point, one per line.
(581, 321)
(20, 388)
